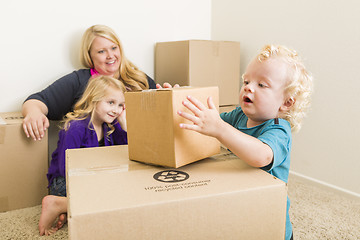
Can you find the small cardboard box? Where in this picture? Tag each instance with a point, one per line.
(23, 165)
(201, 63)
(110, 197)
(154, 135)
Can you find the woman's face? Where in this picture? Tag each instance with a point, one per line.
(105, 55)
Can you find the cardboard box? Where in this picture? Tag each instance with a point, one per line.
(23, 165)
(154, 135)
(201, 63)
(220, 197)
(227, 108)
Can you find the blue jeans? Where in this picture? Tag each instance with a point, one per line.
(58, 187)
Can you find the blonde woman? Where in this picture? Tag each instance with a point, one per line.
(98, 119)
(101, 54)
(273, 100)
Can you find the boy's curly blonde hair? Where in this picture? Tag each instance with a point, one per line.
(300, 83)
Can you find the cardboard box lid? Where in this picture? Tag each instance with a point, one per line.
(196, 41)
(113, 182)
(11, 118)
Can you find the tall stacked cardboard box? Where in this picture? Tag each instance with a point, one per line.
(201, 63)
(23, 165)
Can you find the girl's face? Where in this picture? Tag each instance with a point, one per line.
(105, 55)
(262, 96)
(110, 107)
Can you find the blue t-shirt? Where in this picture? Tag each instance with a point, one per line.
(276, 133)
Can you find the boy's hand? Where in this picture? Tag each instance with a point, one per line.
(206, 120)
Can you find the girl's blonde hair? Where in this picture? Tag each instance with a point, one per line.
(131, 76)
(95, 91)
(299, 83)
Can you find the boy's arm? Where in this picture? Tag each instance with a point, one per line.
(248, 148)
(208, 122)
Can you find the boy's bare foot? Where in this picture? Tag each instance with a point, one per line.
(52, 207)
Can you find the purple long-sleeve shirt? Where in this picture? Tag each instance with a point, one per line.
(79, 135)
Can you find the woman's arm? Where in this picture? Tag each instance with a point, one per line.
(53, 102)
(151, 82)
(35, 121)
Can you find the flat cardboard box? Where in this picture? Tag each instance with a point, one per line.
(220, 197)
(154, 135)
(23, 165)
(201, 63)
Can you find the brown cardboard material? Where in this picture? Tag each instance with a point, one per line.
(110, 197)
(154, 135)
(201, 63)
(227, 108)
(23, 165)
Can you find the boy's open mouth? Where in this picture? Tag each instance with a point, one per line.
(247, 99)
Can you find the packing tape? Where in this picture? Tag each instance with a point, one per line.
(148, 101)
(151, 90)
(93, 171)
(4, 204)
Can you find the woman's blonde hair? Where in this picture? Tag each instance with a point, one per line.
(131, 76)
(299, 83)
(95, 91)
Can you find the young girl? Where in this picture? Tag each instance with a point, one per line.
(98, 119)
(273, 100)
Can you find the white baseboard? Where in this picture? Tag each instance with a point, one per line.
(326, 186)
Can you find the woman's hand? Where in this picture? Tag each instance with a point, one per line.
(35, 122)
(166, 85)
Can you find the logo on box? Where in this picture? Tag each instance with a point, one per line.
(171, 176)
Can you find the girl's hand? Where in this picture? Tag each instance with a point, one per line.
(206, 120)
(122, 119)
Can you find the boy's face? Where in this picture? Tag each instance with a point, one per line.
(262, 96)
